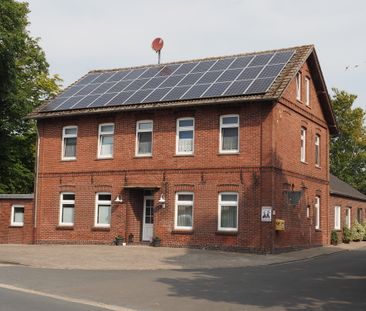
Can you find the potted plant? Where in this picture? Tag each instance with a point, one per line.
(346, 235)
(156, 241)
(334, 238)
(118, 240)
(357, 231)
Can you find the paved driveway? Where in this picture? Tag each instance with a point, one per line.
(103, 257)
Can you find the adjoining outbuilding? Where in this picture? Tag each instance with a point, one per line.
(347, 205)
(16, 218)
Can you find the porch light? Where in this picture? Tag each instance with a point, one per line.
(118, 199)
(162, 200)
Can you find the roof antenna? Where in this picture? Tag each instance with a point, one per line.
(157, 45)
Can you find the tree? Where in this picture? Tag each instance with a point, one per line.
(348, 150)
(25, 82)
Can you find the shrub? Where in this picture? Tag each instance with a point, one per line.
(357, 231)
(364, 226)
(346, 235)
(334, 237)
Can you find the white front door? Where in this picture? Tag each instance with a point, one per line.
(148, 220)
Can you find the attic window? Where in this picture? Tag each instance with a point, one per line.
(298, 86)
(307, 91)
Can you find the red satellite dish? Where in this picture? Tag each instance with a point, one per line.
(157, 44)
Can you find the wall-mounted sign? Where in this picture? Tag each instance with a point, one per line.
(266, 215)
(280, 225)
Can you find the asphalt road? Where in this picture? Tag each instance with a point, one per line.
(333, 282)
(11, 300)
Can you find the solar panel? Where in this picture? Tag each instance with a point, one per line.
(230, 76)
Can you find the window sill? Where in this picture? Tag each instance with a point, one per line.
(318, 167)
(228, 153)
(318, 230)
(337, 230)
(229, 233)
(143, 156)
(101, 228)
(184, 155)
(68, 160)
(62, 227)
(107, 158)
(304, 162)
(16, 226)
(182, 231)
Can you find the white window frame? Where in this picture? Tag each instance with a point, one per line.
(184, 129)
(62, 202)
(64, 136)
(348, 221)
(317, 150)
(228, 203)
(307, 91)
(137, 154)
(303, 144)
(298, 86)
(102, 202)
(176, 210)
(14, 223)
(104, 134)
(337, 217)
(232, 125)
(317, 212)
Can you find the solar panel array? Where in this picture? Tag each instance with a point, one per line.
(231, 76)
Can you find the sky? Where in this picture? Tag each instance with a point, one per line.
(82, 35)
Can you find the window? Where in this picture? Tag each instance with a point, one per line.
(184, 210)
(69, 136)
(185, 136)
(105, 141)
(348, 217)
(229, 134)
(228, 211)
(317, 212)
(359, 215)
(317, 150)
(303, 145)
(144, 138)
(298, 86)
(307, 90)
(67, 209)
(103, 210)
(337, 217)
(17, 216)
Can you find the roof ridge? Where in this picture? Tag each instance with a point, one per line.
(308, 46)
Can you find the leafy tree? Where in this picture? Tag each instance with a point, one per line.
(348, 150)
(24, 83)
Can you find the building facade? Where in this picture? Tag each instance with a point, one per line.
(201, 172)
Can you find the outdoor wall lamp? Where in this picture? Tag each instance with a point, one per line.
(118, 199)
(162, 200)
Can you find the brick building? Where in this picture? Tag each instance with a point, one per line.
(200, 153)
(16, 218)
(347, 205)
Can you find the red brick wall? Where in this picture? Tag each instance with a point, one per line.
(268, 163)
(12, 234)
(344, 203)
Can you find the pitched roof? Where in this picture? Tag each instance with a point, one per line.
(274, 92)
(27, 196)
(340, 188)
